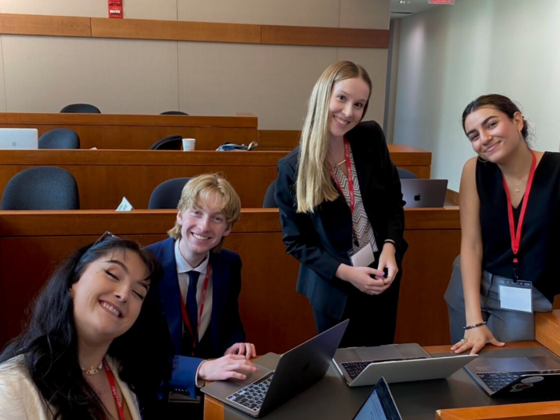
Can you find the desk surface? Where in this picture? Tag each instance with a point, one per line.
(331, 398)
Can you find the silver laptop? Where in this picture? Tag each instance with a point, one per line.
(424, 192)
(512, 375)
(379, 405)
(19, 138)
(362, 366)
(296, 371)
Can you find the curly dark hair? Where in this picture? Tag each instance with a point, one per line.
(50, 343)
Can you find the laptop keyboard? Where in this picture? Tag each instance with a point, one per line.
(498, 380)
(252, 396)
(355, 368)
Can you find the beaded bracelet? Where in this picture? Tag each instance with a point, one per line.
(470, 327)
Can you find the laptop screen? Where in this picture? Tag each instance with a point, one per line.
(379, 405)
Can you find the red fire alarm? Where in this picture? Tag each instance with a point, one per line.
(115, 9)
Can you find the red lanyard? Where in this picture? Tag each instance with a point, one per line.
(111, 380)
(516, 237)
(186, 319)
(350, 180)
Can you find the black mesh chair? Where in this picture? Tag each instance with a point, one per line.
(167, 194)
(173, 142)
(173, 113)
(80, 109)
(60, 138)
(269, 201)
(406, 174)
(41, 188)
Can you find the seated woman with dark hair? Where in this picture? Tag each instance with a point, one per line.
(95, 347)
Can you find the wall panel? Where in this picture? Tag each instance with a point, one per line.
(365, 14)
(149, 9)
(375, 63)
(272, 82)
(119, 76)
(86, 8)
(270, 12)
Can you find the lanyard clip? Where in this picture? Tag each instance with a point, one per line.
(515, 270)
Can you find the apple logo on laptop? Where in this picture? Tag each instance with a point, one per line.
(417, 197)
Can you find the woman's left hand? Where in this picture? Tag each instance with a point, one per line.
(388, 261)
(243, 349)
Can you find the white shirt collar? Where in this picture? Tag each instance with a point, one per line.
(182, 264)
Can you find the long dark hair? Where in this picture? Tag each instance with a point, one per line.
(50, 342)
(501, 103)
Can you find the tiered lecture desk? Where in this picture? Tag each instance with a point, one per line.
(104, 177)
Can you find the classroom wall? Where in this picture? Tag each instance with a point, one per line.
(453, 54)
(42, 74)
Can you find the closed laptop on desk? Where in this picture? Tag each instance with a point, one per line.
(361, 366)
(19, 138)
(424, 192)
(297, 370)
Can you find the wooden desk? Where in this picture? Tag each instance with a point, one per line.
(104, 177)
(110, 131)
(32, 243)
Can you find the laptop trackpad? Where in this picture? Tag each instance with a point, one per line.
(512, 364)
(378, 353)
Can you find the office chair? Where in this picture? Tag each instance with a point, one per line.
(269, 201)
(173, 113)
(41, 188)
(80, 109)
(406, 174)
(167, 194)
(172, 142)
(59, 138)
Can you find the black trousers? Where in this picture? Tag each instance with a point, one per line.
(373, 319)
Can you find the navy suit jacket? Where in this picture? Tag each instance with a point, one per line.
(321, 240)
(225, 323)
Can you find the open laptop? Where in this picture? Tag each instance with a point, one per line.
(362, 366)
(423, 192)
(297, 370)
(510, 375)
(379, 405)
(19, 138)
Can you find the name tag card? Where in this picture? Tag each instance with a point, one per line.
(364, 257)
(516, 296)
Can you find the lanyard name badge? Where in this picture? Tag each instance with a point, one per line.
(516, 294)
(364, 257)
(111, 379)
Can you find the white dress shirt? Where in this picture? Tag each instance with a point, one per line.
(183, 267)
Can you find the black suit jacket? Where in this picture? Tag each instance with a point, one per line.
(321, 240)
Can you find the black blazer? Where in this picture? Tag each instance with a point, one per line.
(321, 240)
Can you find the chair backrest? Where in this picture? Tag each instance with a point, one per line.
(41, 188)
(173, 113)
(167, 194)
(80, 109)
(173, 142)
(59, 138)
(406, 174)
(269, 201)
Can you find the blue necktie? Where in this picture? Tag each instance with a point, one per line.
(192, 307)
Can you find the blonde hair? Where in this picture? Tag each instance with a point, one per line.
(204, 188)
(313, 184)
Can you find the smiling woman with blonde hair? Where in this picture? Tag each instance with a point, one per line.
(341, 210)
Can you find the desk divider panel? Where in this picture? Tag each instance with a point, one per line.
(33, 243)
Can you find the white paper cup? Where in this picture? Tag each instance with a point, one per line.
(188, 144)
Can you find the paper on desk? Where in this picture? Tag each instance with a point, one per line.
(125, 205)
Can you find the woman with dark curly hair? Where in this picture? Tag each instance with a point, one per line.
(95, 347)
